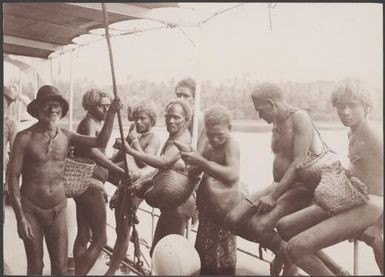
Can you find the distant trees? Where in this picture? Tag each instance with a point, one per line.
(313, 96)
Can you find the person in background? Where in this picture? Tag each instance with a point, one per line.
(143, 139)
(38, 156)
(215, 244)
(10, 130)
(185, 89)
(90, 205)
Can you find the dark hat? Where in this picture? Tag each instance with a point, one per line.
(9, 94)
(47, 93)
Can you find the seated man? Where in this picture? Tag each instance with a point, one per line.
(142, 138)
(312, 229)
(39, 155)
(215, 244)
(293, 138)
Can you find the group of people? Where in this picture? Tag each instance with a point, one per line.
(280, 217)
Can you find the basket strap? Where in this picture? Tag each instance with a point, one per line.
(325, 147)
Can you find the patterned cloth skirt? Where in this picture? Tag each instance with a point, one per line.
(216, 246)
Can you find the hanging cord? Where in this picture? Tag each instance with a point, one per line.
(271, 6)
(220, 12)
(186, 36)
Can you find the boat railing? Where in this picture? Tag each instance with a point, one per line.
(148, 269)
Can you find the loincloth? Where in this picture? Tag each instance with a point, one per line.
(45, 216)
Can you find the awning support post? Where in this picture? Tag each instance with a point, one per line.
(198, 48)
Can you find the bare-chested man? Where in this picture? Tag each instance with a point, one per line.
(90, 205)
(293, 137)
(38, 156)
(312, 229)
(215, 244)
(142, 138)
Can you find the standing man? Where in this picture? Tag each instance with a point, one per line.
(90, 205)
(38, 156)
(293, 138)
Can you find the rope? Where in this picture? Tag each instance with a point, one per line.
(220, 12)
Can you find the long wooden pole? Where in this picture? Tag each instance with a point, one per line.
(105, 17)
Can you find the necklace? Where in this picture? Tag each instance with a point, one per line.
(50, 137)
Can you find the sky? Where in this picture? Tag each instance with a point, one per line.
(307, 42)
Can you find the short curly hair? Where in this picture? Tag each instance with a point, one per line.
(266, 90)
(351, 89)
(92, 97)
(184, 104)
(188, 83)
(217, 114)
(148, 107)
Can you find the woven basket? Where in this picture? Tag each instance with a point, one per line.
(171, 189)
(336, 192)
(309, 170)
(77, 173)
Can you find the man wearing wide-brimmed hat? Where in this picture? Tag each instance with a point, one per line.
(39, 155)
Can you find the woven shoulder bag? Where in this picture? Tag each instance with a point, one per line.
(310, 169)
(171, 188)
(77, 174)
(337, 192)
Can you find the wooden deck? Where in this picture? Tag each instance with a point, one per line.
(15, 262)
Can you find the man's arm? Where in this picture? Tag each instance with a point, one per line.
(374, 140)
(164, 161)
(102, 139)
(228, 173)
(151, 148)
(15, 168)
(88, 128)
(303, 135)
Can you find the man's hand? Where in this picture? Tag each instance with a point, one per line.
(115, 106)
(24, 229)
(265, 204)
(127, 147)
(193, 157)
(117, 144)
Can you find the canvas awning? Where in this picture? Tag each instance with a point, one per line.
(38, 29)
